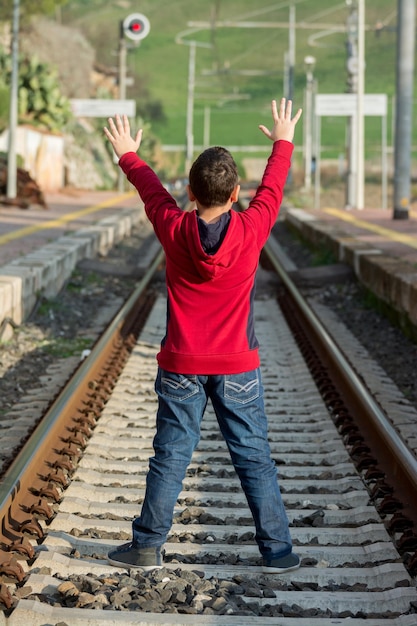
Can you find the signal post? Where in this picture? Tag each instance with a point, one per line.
(135, 27)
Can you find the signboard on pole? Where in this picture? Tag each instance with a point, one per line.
(344, 104)
(96, 107)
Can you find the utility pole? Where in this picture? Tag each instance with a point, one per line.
(404, 107)
(291, 52)
(135, 27)
(356, 84)
(309, 63)
(352, 87)
(291, 65)
(122, 90)
(360, 126)
(122, 66)
(189, 130)
(190, 107)
(11, 159)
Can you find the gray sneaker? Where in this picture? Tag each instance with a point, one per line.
(281, 564)
(128, 555)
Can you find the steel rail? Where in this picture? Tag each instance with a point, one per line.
(27, 461)
(400, 464)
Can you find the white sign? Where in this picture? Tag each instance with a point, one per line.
(345, 104)
(102, 108)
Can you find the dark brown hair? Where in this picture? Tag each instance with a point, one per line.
(213, 176)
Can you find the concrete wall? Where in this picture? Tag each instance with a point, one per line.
(42, 154)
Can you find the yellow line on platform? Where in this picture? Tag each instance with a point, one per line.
(409, 240)
(29, 230)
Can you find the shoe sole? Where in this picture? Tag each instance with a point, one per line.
(149, 568)
(145, 568)
(280, 570)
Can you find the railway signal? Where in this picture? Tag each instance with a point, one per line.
(136, 26)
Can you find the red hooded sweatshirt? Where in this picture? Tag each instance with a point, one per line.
(210, 321)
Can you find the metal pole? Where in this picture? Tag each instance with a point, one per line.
(291, 52)
(352, 176)
(352, 87)
(308, 138)
(317, 135)
(291, 65)
(207, 114)
(360, 161)
(286, 81)
(384, 164)
(309, 62)
(404, 107)
(11, 159)
(190, 106)
(122, 89)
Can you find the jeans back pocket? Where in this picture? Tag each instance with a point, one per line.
(176, 386)
(242, 388)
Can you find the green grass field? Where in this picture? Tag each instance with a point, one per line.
(234, 102)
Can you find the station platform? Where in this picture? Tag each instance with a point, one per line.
(25, 230)
(382, 251)
(39, 248)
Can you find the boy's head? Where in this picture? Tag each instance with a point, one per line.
(213, 177)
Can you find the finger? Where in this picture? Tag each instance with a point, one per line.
(265, 131)
(297, 116)
(282, 108)
(119, 124)
(274, 110)
(126, 125)
(108, 135)
(112, 125)
(288, 110)
(138, 138)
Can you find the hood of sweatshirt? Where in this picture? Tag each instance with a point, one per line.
(210, 266)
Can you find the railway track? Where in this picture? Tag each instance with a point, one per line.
(355, 538)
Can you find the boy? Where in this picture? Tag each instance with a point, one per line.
(210, 350)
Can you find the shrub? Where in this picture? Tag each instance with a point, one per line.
(40, 100)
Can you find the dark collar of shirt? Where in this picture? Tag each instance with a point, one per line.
(212, 235)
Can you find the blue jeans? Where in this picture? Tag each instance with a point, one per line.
(237, 400)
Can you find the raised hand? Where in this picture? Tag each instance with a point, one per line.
(120, 137)
(283, 126)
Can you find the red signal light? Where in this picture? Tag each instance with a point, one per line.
(136, 26)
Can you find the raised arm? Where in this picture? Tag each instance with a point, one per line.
(160, 207)
(283, 126)
(120, 137)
